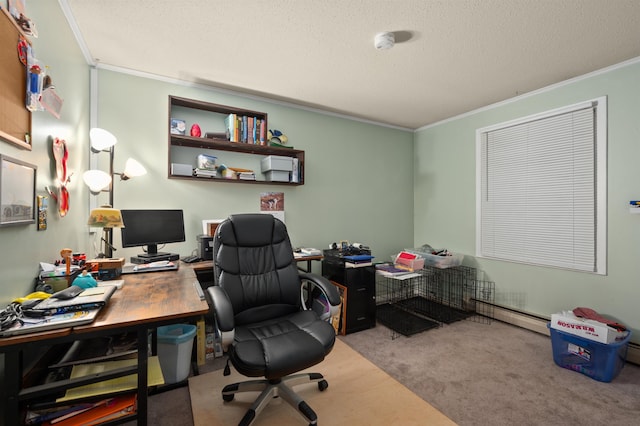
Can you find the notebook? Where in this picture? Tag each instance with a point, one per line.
(51, 322)
(91, 298)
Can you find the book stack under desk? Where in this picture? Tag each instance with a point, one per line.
(109, 398)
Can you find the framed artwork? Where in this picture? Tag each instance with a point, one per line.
(17, 192)
(209, 226)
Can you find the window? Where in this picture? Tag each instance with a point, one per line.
(541, 189)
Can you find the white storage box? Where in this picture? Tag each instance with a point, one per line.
(277, 176)
(597, 331)
(275, 162)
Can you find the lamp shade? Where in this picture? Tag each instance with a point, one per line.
(133, 168)
(101, 139)
(106, 217)
(96, 180)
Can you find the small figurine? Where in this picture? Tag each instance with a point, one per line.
(195, 131)
(85, 280)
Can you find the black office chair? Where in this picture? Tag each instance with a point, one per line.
(260, 310)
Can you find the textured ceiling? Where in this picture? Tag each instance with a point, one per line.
(452, 56)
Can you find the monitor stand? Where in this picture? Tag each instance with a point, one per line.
(147, 258)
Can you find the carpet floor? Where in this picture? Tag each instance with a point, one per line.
(359, 393)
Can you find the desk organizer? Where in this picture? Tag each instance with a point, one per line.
(600, 361)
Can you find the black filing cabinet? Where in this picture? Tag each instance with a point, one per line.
(360, 285)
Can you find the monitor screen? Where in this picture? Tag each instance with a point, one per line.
(149, 228)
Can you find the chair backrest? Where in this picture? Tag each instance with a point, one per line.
(254, 263)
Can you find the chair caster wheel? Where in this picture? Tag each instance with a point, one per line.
(228, 398)
(323, 385)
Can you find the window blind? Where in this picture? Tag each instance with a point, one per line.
(539, 190)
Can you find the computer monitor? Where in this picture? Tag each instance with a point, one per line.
(149, 228)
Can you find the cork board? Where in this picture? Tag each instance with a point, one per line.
(15, 118)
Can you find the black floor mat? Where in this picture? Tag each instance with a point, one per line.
(402, 321)
(434, 310)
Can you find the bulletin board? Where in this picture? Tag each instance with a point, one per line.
(15, 118)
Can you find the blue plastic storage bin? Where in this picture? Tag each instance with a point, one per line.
(600, 361)
(175, 343)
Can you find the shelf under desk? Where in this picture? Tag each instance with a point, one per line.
(145, 302)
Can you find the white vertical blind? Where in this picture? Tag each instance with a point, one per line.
(538, 190)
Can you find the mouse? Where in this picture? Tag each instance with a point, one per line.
(68, 293)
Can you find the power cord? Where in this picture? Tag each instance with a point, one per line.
(10, 315)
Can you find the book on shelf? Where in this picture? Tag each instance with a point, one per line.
(205, 173)
(295, 172)
(246, 176)
(250, 130)
(263, 132)
(230, 126)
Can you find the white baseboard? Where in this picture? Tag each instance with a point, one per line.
(539, 325)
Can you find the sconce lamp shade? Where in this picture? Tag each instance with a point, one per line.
(133, 168)
(96, 180)
(105, 217)
(101, 139)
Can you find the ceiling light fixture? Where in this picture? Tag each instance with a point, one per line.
(384, 41)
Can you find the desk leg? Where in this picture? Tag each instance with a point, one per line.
(143, 373)
(9, 404)
(308, 270)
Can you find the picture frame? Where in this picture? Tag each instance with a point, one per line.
(17, 192)
(209, 226)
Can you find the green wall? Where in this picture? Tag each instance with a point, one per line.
(385, 187)
(23, 247)
(358, 181)
(444, 201)
(358, 176)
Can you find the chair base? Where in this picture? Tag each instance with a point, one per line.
(276, 388)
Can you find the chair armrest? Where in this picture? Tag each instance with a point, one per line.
(330, 290)
(223, 315)
(221, 308)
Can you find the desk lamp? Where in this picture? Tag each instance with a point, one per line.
(107, 218)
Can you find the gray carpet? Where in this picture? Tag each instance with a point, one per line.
(498, 374)
(476, 374)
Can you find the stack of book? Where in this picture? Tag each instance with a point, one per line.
(93, 413)
(358, 261)
(246, 129)
(204, 173)
(246, 176)
(392, 271)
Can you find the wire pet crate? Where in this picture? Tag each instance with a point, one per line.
(432, 298)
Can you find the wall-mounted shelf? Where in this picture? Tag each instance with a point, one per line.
(211, 118)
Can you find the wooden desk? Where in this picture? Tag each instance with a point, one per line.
(208, 264)
(145, 302)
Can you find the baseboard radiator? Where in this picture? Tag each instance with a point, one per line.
(539, 325)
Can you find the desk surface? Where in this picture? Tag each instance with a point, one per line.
(151, 298)
(207, 264)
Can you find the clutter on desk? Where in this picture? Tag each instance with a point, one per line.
(354, 255)
(309, 251)
(85, 280)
